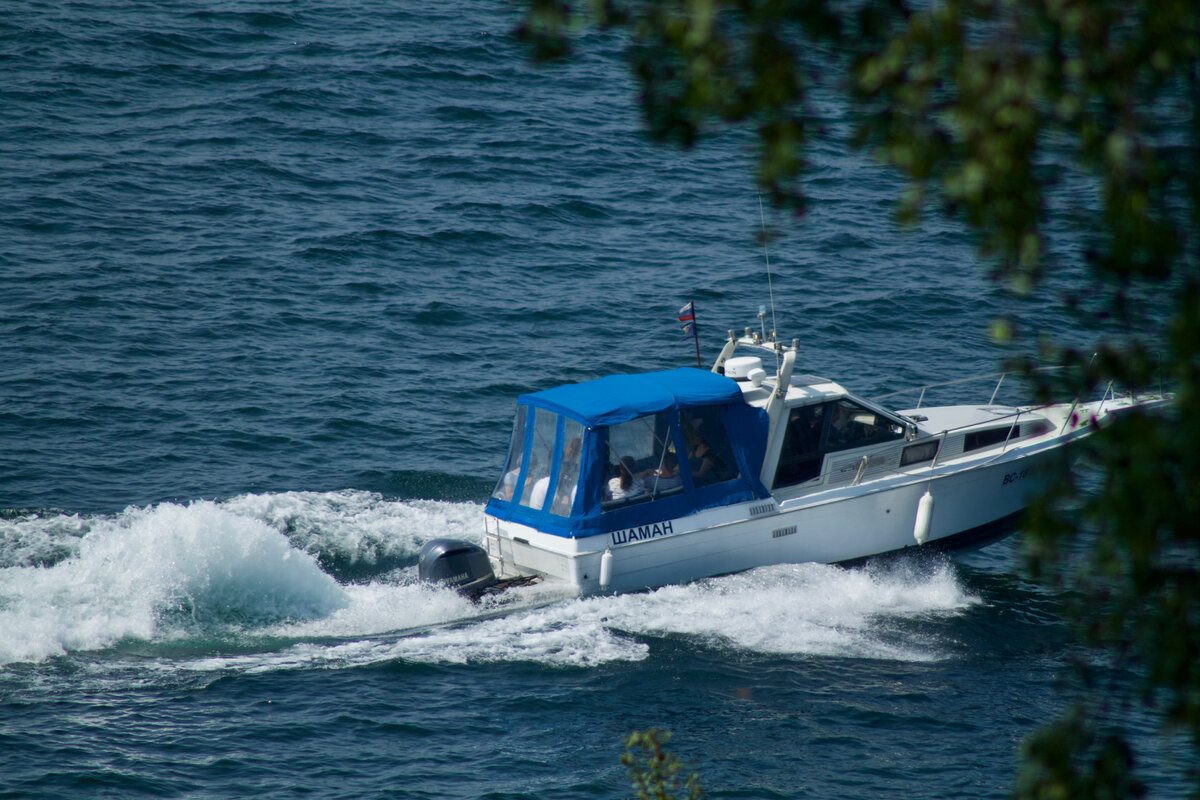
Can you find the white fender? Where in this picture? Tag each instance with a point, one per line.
(606, 568)
(924, 518)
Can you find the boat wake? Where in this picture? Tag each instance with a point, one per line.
(280, 581)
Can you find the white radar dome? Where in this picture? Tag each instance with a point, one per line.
(740, 368)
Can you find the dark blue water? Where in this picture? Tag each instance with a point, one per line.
(271, 276)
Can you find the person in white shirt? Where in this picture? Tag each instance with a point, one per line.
(625, 485)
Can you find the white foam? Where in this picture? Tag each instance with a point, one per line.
(150, 573)
(40, 538)
(807, 609)
(243, 571)
(360, 527)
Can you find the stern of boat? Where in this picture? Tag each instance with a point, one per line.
(519, 551)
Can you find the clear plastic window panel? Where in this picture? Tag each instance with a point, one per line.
(568, 471)
(512, 467)
(709, 456)
(635, 451)
(537, 479)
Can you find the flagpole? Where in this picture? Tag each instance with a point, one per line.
(696, 338)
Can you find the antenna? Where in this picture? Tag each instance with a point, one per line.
(762, 219)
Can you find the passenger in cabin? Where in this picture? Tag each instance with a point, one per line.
(625, 485)
(800, 458)
(570, 465)
(705, 464)
(804, 430)
(509, 484)
(666, 477)
(842, 431)
(537, 497)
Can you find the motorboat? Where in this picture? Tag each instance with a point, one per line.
(631, 482)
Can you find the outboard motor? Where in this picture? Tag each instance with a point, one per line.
(463, 566)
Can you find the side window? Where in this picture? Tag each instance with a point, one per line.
(918, 453)
(986, 438)
(516, 451)
(537, 478)
(709, 456)
(568, 470)
(855, 426)
(800, 458)
(665, 478)
(636, 451)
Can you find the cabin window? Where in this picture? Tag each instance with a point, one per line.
(853, 426)
(542, 448)
(710, 458)
(568, 469)
(800, 458)
(537, 476)
(512, 465)
(814, 430)
(638, 451)
(667, 477)
(917, 453)
(977, 440)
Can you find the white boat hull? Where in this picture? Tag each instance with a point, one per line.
(972, 505)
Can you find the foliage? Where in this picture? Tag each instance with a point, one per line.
(1008, 115)
(656, 773)
(1067, 759)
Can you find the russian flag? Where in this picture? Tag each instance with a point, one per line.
(687, 315)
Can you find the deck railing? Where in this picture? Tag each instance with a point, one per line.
(997, 376)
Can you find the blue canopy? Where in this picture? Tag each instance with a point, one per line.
(619, 398)
(570, 442)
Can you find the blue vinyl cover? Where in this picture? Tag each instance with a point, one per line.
(620, 398)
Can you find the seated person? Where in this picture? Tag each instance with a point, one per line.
(707, 467)
(666, 477)
(508, 484)
(537, 497)
(625, 485)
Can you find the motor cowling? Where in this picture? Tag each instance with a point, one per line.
(463, 566)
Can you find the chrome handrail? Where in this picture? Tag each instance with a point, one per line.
(938, 453)
(1000, 376)
(862, 467)
(992, 399)
(1011, 428)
